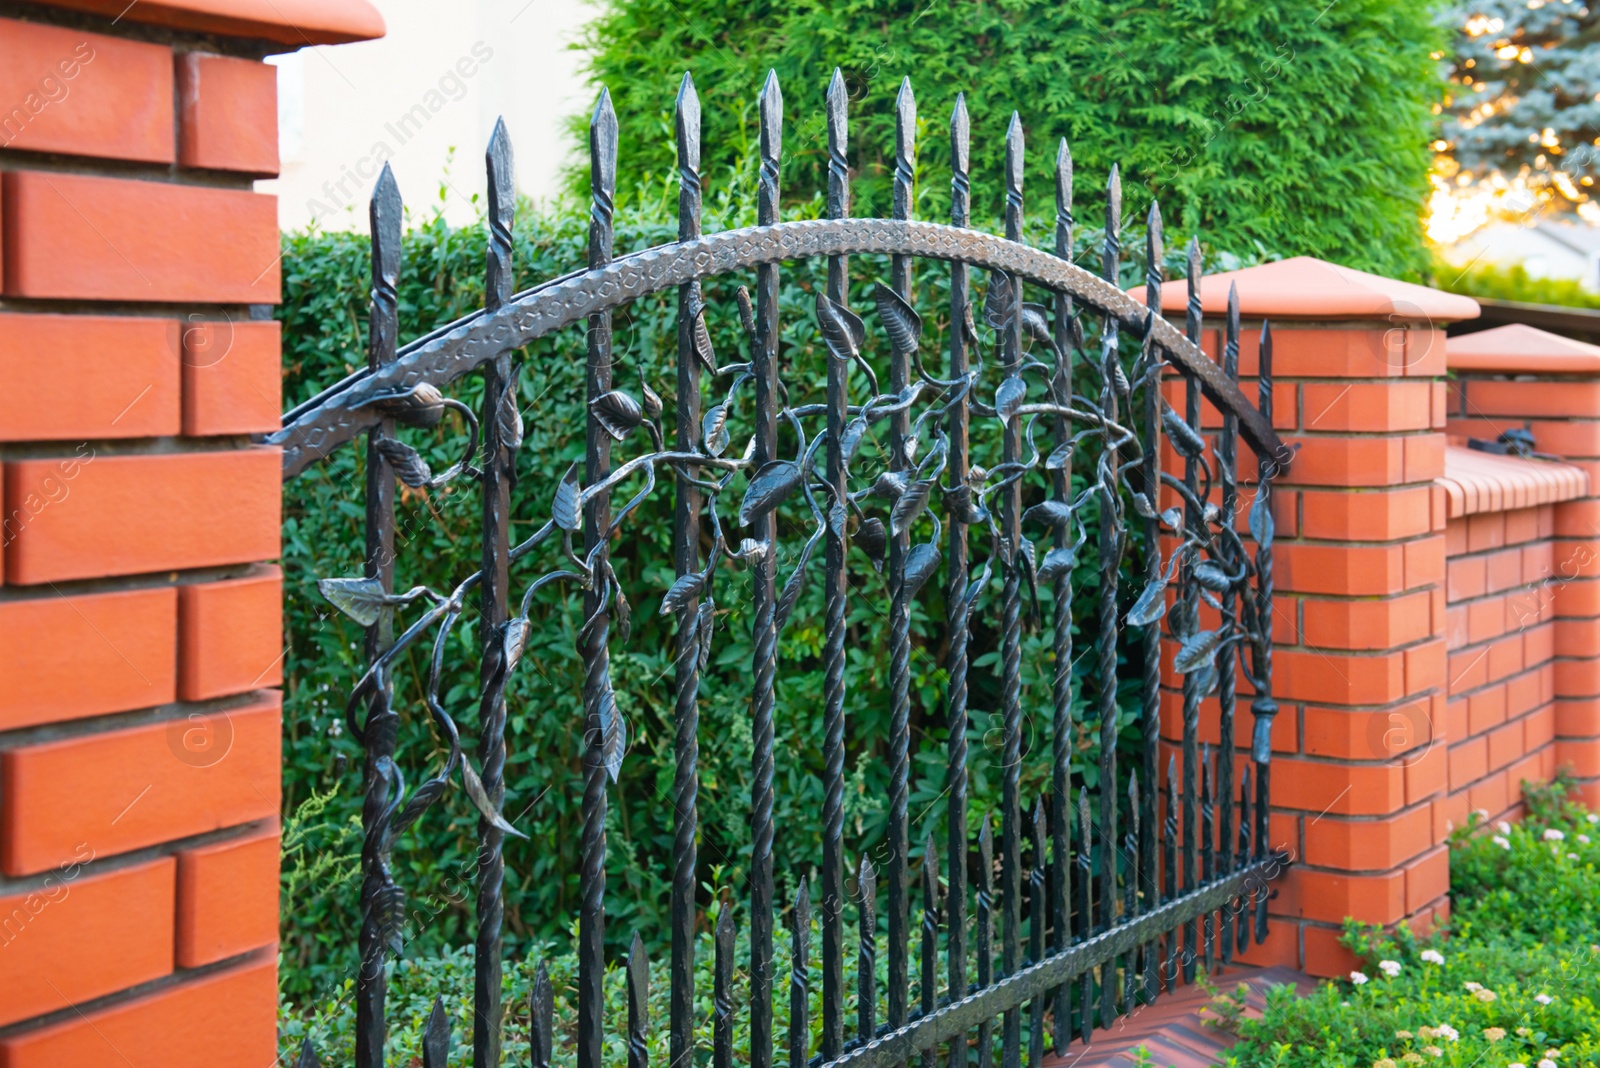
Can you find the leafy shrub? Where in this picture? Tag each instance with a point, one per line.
(1514, 283)
(324, 312)
(1518, 981)
(1300, 127)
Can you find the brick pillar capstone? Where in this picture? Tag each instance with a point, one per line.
(1359, 666)
(140, 611)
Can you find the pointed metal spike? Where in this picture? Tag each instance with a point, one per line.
(905, 148)
(436, 1037)
(1014, 160)
(1153, 248)
(500, 165)
(802, 904)
(603, 144)
(1233, 308)
(1114, 200)
(838, 146)
(1064, 180)
(1194, 315)
(638, 1004)
(1038, 813)
(541, 1010)
(771, 117)
(1083, 813)
(1133, 791)
(308, 1056)
(867, 876)
(960, 136)
(985, 835)
(688, 126)
(1205, 771)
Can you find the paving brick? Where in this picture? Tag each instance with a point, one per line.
(228, 114)
(227, 899)
(218, 1020)
(74, 236)
(137, 786)
(124, 515)
(60, 384)
(84, 94)
(81, 935)
(66, 657)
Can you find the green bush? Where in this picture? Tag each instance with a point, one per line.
(1299, 127)
(1517, 981)
(1514, 283)
(324, 312)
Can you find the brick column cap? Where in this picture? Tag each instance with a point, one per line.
(290, 22)
(1307, 288)
(1517, 348)
(1477, 482)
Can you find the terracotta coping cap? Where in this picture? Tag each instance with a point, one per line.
(1476, 482)
(1307, 288)
(291, 22)
(1517, 348)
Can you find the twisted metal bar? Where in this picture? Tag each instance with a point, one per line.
(1264, 708)
(686, 560)
(1150, 718)
(502, 423)
(1185, 621)
(835, 607)
(764, 365)
(957, 608)
(596, 656)
(1011, 624)
(1227, 449)
(900, 597)
(377, 810)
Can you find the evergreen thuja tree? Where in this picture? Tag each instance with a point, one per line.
(1524, 98)
(1293, 127)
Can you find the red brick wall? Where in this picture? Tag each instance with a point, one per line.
(140, 616)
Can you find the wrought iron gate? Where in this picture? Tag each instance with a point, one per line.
(1128, 898)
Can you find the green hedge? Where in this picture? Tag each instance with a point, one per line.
(324, 312)
(1300, 127)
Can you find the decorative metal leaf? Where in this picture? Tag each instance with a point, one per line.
(900, 320)
(921, 562)
(421, 406)
(714, 429)
(308, 1056)
(1057, 562)
(890, 485)
(1151, 605)
(624, 617)
(363, 599)
(850, 441)
(1051, 512)
(1172, 518)
(1211, 576)
(705, 624)
(1059, 457)
(389, 907)
(436, 1037)
(1184, 438)
(998, 302)
(408, 464)
(508, 419)
(513, 639)
(747, 312)
(751, 550)
(910, 505)
(793, 588)
(564, 509)
(1141, 504)
(1009, 397)
(1261, 523)
(1035, 325)
(935, 457)
(613, 733)
(769, 487)
(1197, 651)
(652, 401)
(702, 339)
(480, 799)
(873, 540)
(617, 413)
(842, 330)
(1206, 678)
(685, 589)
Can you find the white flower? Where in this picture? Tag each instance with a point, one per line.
(1543, 999)
(1501, 842)
(1473, 986)
(1446, 1032)
(1594, 817)
(1553, 835)
(1516, 1064)
(1547, 1063)
(1583, 838)
(1572, 856)
(1432, 956)
(1481, 813)
(1391, 968)
(1504, 827)
(1358, 977)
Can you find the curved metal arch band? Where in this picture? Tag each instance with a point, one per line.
(448, 354)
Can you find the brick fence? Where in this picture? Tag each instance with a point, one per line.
(1438, 618)
(140, 622)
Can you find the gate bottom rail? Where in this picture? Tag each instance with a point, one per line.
(895, 1048)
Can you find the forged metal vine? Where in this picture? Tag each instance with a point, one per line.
(1101, 937)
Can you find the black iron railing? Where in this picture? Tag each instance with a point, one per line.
(1132, 885)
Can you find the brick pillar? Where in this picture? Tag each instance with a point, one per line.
(140, 613)
(1359, 667)
(1516, 377)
